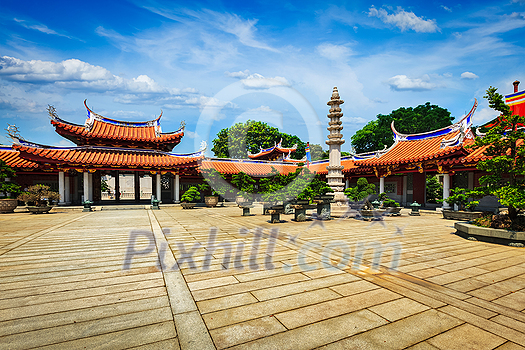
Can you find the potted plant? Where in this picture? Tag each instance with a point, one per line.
(189, 198)
(41, 196)
(393, 207)
(463, 198)
(358, 196)
(8, 189)
(213, 184)
(361, 191)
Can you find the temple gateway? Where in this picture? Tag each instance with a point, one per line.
(137, 160)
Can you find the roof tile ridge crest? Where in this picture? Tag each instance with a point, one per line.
(452, 127)
(149, 123)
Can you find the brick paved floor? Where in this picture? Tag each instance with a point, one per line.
(92, 280)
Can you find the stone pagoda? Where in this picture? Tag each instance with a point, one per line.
(335, 169)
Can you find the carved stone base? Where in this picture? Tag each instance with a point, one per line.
(339, 210)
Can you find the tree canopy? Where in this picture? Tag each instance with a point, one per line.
(237, 140)
(505, 151)
(377, 134)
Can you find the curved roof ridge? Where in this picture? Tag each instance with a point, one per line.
(467, 119)
(101, 118)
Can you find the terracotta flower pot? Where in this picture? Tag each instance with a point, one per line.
(187, 205)
(211, 201)
(39, 210)
(8, 205)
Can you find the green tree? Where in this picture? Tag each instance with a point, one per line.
(104, 187)
(8, 188)
(377, 134)
(192, 195)
(505, 152)
(361, 191)
(316, 152)
(237, 140)
(434, 189)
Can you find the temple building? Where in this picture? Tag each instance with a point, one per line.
(105, 147)
(141, 154)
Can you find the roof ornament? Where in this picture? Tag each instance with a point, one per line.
(204, 146)
(51, 110)
(13, 132)
(182, 125)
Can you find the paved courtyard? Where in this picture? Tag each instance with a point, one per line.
(213, 279)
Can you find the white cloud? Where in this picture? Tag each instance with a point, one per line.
(38, 26)
(74, 74)
(240, 74)
(257, 81)
(403, 83)
(404, 20)
(243, 29)
(36, 71)
(468, 75)
(209, 102)
(448, 9)
(191, 134)
(334, 52)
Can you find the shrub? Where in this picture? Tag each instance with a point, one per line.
(41, 195)
(191, 195)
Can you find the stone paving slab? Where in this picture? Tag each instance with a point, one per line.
(80, 280)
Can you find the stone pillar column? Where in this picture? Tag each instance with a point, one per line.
(177, 189)
(347, 183)
(86, 186)
(381, 184)
(136, 179)
(335, 169)
(67, 191)
(405, 183)
(158, 186)
(117, 186)
(61, 188)
(470, 175)
(90, 179)
(446, 189)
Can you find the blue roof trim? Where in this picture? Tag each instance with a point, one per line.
(429, 135)
(416, 137)
(514, 94)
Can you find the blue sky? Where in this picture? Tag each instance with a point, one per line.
(214, 63)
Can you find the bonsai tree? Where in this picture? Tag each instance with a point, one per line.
(361, 191)
(504, 151)
(41, 195)
(386, 201)
(462, 197)
(8, 189)
(191, 195)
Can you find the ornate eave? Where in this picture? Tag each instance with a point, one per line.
(99, 130)
(104, 157)
(274, 152)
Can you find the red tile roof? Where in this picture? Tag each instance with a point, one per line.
(273, 152)
(13, 159)
(100, 130)
(254, 168)
(414, 151)
(99, 156)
